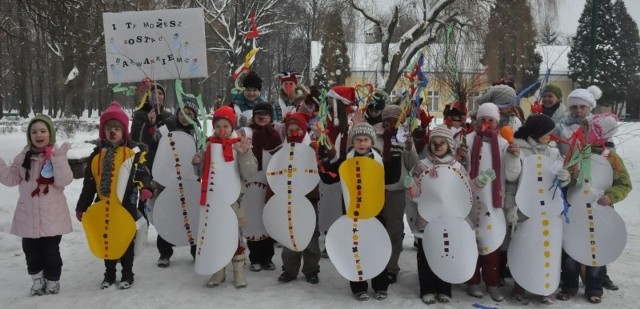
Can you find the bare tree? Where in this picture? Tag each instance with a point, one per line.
(433, 19)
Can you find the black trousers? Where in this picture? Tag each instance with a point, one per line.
(165, 248)
(43, 254)
(126, 261)
(261, 251)
(430, 283)
(378, 283)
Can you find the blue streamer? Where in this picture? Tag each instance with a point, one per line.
(476, 305)
(520, 95)
(565, 210)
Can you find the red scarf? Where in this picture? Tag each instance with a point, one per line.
(227, 152)
(496, 185)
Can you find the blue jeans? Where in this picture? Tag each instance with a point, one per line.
(571, 271)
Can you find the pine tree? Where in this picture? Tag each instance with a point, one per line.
(333, 68)
(509, 48)
(609, 73)
(629, 48)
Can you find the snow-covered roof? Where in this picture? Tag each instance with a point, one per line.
(365, 58)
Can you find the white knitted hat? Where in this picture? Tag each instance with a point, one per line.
(488, 110)
(586, 97)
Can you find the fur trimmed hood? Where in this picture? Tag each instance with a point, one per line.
(300, 94)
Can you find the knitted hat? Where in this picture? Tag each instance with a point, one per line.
(380, 100)
(602, 126)
(586, 97)
(488, 110)
(47, 121)
(264, 107)
(252, 80)
(345, 94)
(114, 112)
(225, 112)
(289, 76)
(535, 127)
(191, 104)
(445, 133)
(499, 95)
(299, 119)
(362, 128)
(159, 87)
(391, 111)
(455, 109)
(553, 89)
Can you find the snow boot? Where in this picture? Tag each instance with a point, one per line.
(238, 271)
(217, 278)
(475, 290)
(38, 286)
(53, 287)
(495, 293)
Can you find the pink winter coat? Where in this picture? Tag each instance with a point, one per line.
(45, 214)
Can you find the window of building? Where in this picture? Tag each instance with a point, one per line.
(433, 98)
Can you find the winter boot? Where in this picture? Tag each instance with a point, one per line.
(238, 271)
(53, 287)
(38, 286)
(216, 278)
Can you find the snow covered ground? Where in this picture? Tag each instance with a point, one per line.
(179, 287)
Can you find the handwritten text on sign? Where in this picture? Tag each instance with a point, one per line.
(163, 44)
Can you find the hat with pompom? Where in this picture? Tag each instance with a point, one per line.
(345, 94)
(114, 112)
(225, 112)
(586, 97)
(602, 127)
(499, 95)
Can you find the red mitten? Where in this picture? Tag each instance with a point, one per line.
(425, 119)
(145, 194)
(79, 215)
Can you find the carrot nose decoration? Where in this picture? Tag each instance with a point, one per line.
(486, 125)
(507, 133)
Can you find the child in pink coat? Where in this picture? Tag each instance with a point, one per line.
(41, 171)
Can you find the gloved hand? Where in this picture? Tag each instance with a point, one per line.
(79, 215)
(145, 194)
(512, 215)
(485, 177)
(564, 176)
(425, 120)
(62, 149)
(461, 153)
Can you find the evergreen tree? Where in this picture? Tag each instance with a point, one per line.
(609, 73)
(333, 68)
(509, 48)
(629, 48)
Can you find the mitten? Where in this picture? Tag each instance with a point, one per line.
(564, 176)
(425, 119)
(79, 215)
(145, 194)
(485, 177)
(62, 149)
(512, 215)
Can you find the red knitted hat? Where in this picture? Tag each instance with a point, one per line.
(299, 119)
(289, 76)
(225, 112)
(114, 112)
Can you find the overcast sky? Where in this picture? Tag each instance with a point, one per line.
(569, 12)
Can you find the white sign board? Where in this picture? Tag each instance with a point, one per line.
(162, 44)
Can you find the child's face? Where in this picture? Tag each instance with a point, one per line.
(579, 111)
(223, 128)
(159, 96)
(455, 121)
(261, 118)
(251, 93)
(113, 131)
(549, 99)
(289, 87)
(545, 139)
(389, 123)
(39, 134)
(438, 146)
(182, 119)
(486, 122)
(362, 144)
(293, 130)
